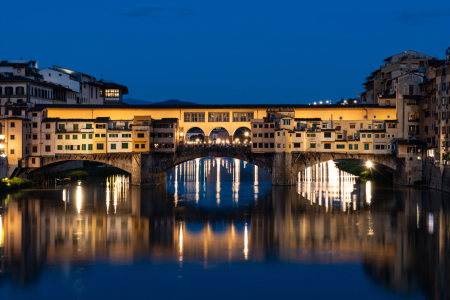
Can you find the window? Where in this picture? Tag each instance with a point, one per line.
(242, 116)
(194, 117)
(100, 126)
(266, 145)
(311, 135)
(255, 126)
(259, 134)
(34, 125)
(111, 93)
(100, 146)
(255, 135)
(69, 147)
(97, 135)
(266, 135)
(140, 135)
(47, 126)
(296, 145)
(83, 147)
(327, 146)
(113, 135)
(35, 137)
(366, 146)
(8, 90)
(90, 147)
(260, 125)
(61, 126)
(12, 150)
(47, 148)
(59, 136)
(219, 117)
(286, 122)
(356, 146)
(12, 137)
(125, 135)
(361, 126)
(137, 146)
(402, 66)
(260, 145)
(255, 145)
(312, 145)
(90, 136)
(142, 146)
(59, 147)
(75, 136)
(369, 135)
(350, 147)
(47, 137)
(83, 136)
(298, 135)
(34, 149)
(327, 134)
(103, 135)
(340, 146)
(363, 135)
(88, 126)
(272, 145)
(113, 146)
(278, 145)
(374, 116)
(75, 127)
(13, 124)
(124, 145)
(67, 136)
(339, 136)
(370, 127)
(272, 135)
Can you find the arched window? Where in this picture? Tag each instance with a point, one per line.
(19, 90)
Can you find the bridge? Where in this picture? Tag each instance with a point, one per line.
(151, 167)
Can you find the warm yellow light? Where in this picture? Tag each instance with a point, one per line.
(369, 164)
(197, 140)
(181, 134)
(246, 133)
(2, 136)
(2, 146)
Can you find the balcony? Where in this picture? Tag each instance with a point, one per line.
(140, 128)
(85, 130)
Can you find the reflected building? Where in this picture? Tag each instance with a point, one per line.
(400, 237)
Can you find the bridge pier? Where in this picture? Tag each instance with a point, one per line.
(283, 171)
(145, 170)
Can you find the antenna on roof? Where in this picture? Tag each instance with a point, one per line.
(101, 76)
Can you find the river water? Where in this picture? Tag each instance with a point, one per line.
(219, 230)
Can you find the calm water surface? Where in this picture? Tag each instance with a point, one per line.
(219, 230)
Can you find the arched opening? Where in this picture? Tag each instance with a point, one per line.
(195, 136)
(212, 182)
(219, 136)
(242, 136)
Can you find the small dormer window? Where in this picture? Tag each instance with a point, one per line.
(112, 93)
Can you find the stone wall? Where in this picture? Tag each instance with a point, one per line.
(437, 176)
(3, 167)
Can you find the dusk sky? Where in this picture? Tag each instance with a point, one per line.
(216, 52)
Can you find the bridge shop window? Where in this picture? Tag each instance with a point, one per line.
(296, 145)
(242, 116)
(124, 145)
(59, 147)
(140, 135)
(218, 117)
(312, 145)
(113, 146)
(255, 145)
(327, 134)
(327, 146)
(88, 126)
(111, 93)
(100, 126)
(47, 148)
(255, 135)
(67, 136)
(83, 147)
(100, 146)
(340, 146)
(90, 147)
(194, 117)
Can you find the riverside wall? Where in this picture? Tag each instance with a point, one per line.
(437, 176)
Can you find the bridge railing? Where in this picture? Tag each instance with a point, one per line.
(207, 148)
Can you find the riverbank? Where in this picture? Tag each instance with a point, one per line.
(377, 174)
(14, 184)
(88, 172)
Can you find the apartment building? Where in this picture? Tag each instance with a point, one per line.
(165, 133)
(381, 81)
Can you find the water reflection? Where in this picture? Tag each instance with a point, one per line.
(400, 237)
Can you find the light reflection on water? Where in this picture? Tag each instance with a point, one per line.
(214, 221)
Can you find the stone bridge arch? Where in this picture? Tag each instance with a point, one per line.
(154, 166)
(121, 161)
(302, 161)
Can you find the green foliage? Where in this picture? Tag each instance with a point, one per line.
(446, 156)
(87, 172)
(354, 167)
(15, 184)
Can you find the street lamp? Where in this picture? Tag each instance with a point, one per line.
(369, 164)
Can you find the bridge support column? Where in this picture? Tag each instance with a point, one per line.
(410, 171)
(145, 171)
(282, 170)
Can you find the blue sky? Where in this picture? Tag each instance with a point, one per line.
(224, 51)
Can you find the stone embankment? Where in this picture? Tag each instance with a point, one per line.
(437, 176)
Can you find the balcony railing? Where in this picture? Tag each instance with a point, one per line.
(140, 128)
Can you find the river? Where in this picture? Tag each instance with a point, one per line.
(219, 230)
